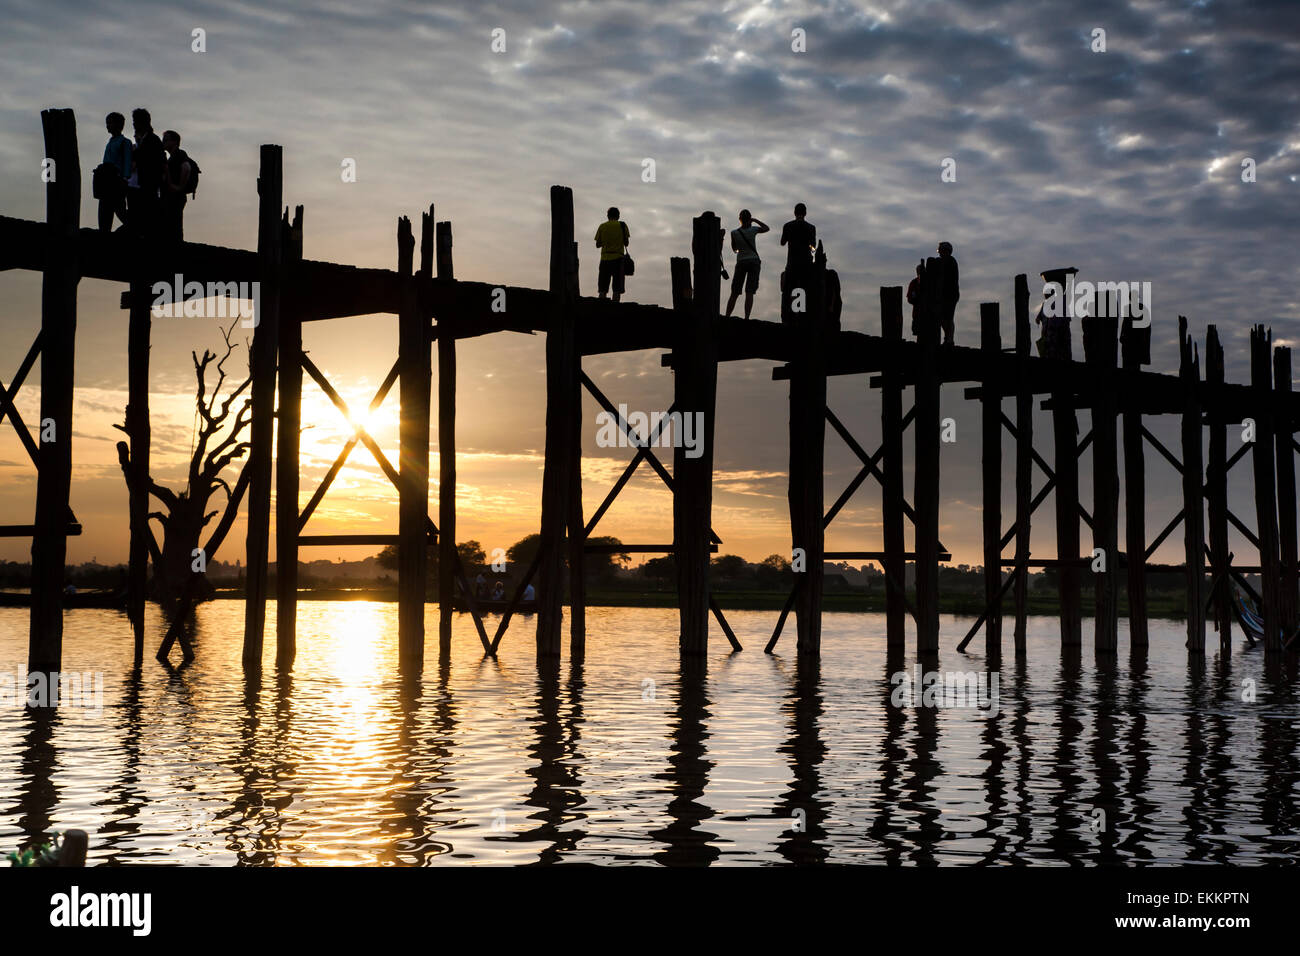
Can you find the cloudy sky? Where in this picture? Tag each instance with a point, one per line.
(1125, 163)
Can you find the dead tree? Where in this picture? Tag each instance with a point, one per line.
(179, 579)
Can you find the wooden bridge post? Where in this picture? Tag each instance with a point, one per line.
(262, 360)
(1216, 475)
(991, 459)
(1065, 429)
(562, 383)
(577, 528)
(1135, 346)
(695, 393)
(1265, 483)
(413, 497)
(926, 467)
(807, 455)
(288, 444)
(139, 432)
(1189, 371)
(1286, 490)
(1024, 459)
(446, 444)
(891, 488)
(58, 340)
(1100, 347)
(679, 268)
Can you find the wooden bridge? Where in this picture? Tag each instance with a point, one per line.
(435, 310)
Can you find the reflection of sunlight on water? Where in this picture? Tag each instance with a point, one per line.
(352, 656)
(353, 761)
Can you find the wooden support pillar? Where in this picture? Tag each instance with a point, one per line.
(1189, 371)
(1136, 349)
(1065, 428)
(1261, 375)
(139, 432)
(891, 488)
(262, 360)
(807, 454)
(413, 496)
(1286, 490)
(991, 460)
(58, 339)
(926, 465)
(446, 446)
(577, 529)
(695, 393)
(1216, 484)
(679, 268)
(561, 389)
(288, 441)
(1024, 459)
(1100, 342)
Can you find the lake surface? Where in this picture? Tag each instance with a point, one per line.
(622, 759)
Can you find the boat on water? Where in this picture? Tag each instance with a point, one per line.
(1250, 618)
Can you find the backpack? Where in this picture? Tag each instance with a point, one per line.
(629, 267)
(194, 175)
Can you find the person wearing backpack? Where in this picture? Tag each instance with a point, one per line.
(109, 180)
(747, 260)
(612, 237)
(180, 178)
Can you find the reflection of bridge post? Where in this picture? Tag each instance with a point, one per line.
(805, 753)
(1138, 750)
(1102, 751)
(554, 771)
(892, 753)
(1023, 830)
(125, 795)
(995, 787)
(37, 794)
(1279, 747)
(1066, 841)
(688, 774)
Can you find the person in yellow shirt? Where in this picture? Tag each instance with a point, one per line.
(612, 237)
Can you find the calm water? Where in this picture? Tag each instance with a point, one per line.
(340, 762)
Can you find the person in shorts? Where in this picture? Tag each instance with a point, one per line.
(748, 263)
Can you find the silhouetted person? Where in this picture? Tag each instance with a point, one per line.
(111, 176)
(747, 260)
(178, 174)
(612, 237)
(499, 591)
(530, 593)
(147, 176)
(914, 298)
(948, 291)
(1055, 339)
(799, 236)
